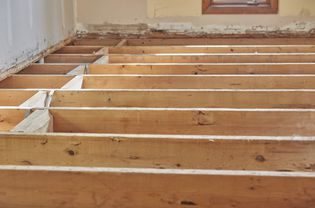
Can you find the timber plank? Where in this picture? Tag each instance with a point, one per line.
(15, 97)
(185, 121)
(48, 69)
(213, 58)
(170, 152)
(35, 82)
(48, 187)
(185, 98)
(9, 118)
(212, 49)
(163, 82)
(195, 69)
(199, 82)
(95, 42)
(71, 58)
(78, 50)
(218, 41)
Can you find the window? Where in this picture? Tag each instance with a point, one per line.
(240, 6)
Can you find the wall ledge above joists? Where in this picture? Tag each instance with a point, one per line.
(295, 29)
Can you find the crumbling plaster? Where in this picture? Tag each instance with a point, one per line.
(184, 16)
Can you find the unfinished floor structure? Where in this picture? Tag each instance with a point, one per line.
(161, 122)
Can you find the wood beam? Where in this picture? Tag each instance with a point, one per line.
(71, 58)
(213, 49)
(78, 50)
(185, 99)
(96, 42)
(9, 118)
(15, 97)
(164, 82)
(217, 41)
(35, 82)
(144, 151)
(195, 69)
(48, 69)
(213, 58)
(45, 187)
(200, 82)
(185, 121)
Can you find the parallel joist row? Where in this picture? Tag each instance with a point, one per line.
(114, 139)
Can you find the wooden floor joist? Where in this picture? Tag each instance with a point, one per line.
(185, 98)
(49, 69)
(79, 50)
(15, 97)
(159, 151)
(212, 49)
(188, 121)
(195, 69)
(71, 58)
(45, 187)
(163, 81)
(199, 82)
(35, 81)
(10, 118)
(213, 58)
(96, 42)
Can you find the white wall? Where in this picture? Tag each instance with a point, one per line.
(28, 27)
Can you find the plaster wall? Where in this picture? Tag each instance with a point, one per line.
(28, 27)
(295, 16)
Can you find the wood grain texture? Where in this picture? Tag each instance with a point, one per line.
(78, 50)
(71, 58)
(186, 121)
(162, 152)
(152, 188)
(9, 118)
(212, 49)
(15, 97)
(35, 82)
(48, 69)
(212, 58)
(185, 99)
(195, 69)
(199, 82)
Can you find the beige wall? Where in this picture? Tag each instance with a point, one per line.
(185, 16)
